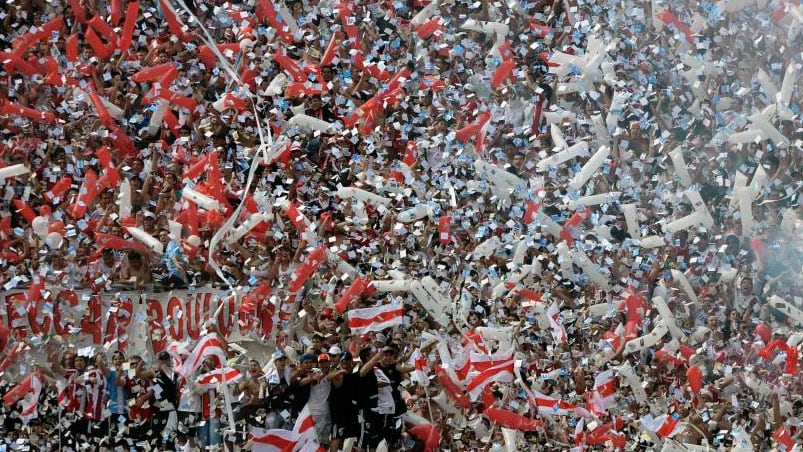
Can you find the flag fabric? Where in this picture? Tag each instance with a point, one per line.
(211, 380)
(502, 373)
(783, 438)
(484, 361)
(665, 425)
(378, 318)
(209, 345)
(556, 321)
(548, 405)
(603, 394)
(28, 390)
(421, 373)
(273, 440)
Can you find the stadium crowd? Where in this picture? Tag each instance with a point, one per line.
(506, 225)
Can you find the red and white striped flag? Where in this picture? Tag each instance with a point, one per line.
(273, 440)
(603, 394)
(421, 373)
(484, 361)
(305, 427)
(362, 321)
(209, 345)
(665, 425)
(502, 373)
(549, 405)
(29, 389)
(211, 380)
(556, 321)
(783, 438)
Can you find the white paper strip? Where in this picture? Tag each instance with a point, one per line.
(488, 247)
(631, 218)
(600, 130)
(591, 166)
(766, 84)
(13, 171)
(745, 197)
(590, 269)
(200, 199)
(789, 80)
(628, 376)
(310, 123)
(593, 200)
(648, 340)
(679, 164)
(428, 293)
(668, 317)
(362, 195)
(567, 154)
(651, 241)
(565, 261)
(150, 241)
(391, 285)
(125, 198)
(684, 284)
(790, 311)
(249, 224)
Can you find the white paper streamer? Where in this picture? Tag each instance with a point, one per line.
(511, 439)
(502, 182)
(573, 151)
(590, 167)
(565, 261)
(767, 129)
(429, 294)
(557, 137)
(699, 206)
(590, 269)
(362, 195)
(628, 376)
(503, 336)
(125, 198)
(391, 285)
(13, 171)
(766, 84)
(648, 340)
(310, 123)
(422, 16)
(488, 247)
(414, 213)
(684, 284)
(150, 241)
(631, 218)
(200, 199)
(600, 129)
(651, 241)
(559, 116)
(276, 86)
(679, 164)
(668, 317)
(253, 221)
(593, 200)
(745, 197)
(790, 79)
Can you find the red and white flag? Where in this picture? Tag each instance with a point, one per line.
(783, 438)
(209, 345)
(273, 440)
(556, 321)
(305, 427)
(484, 361)
(211, 380)
(502, 373)
(28, 390)
(421, 373)
(549, 405)
(603, 395)
(665, 425)
(363, 321)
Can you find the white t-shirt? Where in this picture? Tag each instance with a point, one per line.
(319, 398)
(385, 403)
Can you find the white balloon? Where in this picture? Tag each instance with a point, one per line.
(39, 225)
(54, 240)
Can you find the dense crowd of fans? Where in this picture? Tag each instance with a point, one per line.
(589, 212)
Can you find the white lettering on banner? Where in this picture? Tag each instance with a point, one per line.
(132, 320)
